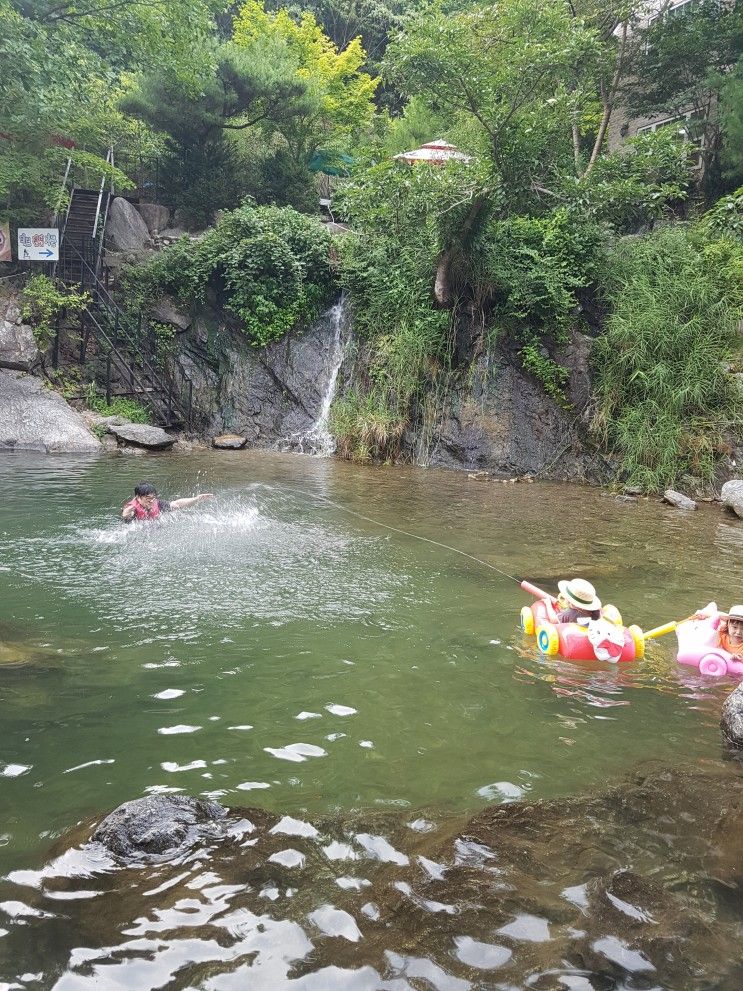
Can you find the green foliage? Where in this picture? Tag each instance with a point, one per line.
(533, 269)
(663, 395)
(726, 216)
(269, 265)
(44, 301)
(130, 409)
(637, 185)
(366, 428)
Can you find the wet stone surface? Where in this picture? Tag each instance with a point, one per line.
(634, 888)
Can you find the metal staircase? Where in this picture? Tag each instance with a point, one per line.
(125, 359)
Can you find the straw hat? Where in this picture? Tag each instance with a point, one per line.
(581, 594)
(736, 612)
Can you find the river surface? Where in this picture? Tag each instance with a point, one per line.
(278, 647)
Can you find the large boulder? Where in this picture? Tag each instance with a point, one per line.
(18, 348)
(125, 229)
(731, 719)
(155, 215)
(158, 826)
(142, 435)
(34, 418)
(732, 495)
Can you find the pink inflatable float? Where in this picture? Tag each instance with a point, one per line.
(605, 639)
(699, 647)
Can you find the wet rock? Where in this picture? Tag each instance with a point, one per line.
(678, 500)
(167, 311)
(731, 719)
(125, 229)
(18, 349)
(230, 442)
(732, 495)
(142, 435)
(158, 825)
(34, 418)
(155, 215)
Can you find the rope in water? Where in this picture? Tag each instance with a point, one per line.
(406, 533)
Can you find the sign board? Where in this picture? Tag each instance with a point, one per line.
(6, 255)
(38, 244)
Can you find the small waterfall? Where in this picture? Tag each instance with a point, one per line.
(317, 440)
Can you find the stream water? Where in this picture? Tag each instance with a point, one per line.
(273, 648)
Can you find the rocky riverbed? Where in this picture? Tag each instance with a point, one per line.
(636, 887)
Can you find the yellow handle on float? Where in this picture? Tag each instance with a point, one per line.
(660, 631)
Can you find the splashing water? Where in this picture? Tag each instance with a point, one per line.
(318, 440)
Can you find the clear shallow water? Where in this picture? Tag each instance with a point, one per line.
(271, 649)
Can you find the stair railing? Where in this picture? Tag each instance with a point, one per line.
(174, 386)
(57, 207)
(101, 211)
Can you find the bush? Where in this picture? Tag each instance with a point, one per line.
(44, 301)
(664, 397)
(130, 409)
(269, 265)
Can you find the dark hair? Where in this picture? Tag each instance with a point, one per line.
(145, 489)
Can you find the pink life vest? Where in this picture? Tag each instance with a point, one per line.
(141, 512)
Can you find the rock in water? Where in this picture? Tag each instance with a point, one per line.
(731, 719)
(231, 442)
(34, 418)
(142, 435)
(678, 500)
(125, 229)
(158, 825)
(732, 495)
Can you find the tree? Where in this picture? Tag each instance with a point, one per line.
(240, 91)
(681, 70)
(339, 102)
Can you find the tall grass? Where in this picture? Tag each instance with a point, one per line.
(664, 397)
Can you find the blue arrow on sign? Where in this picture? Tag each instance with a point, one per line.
(48, 252)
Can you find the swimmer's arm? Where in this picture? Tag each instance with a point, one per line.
(190, 501)
(127, 514)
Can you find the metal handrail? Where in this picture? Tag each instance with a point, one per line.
(172, 380)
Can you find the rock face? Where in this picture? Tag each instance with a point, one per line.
(157, 826)
(678, 500)
(501, 420)
(263, 394)
(156, 216)
(18, 348)
(33, 418)
(142, 435)
(166, 311)
(229, 442)
(731, 719)
(125, 229)
(732, 495)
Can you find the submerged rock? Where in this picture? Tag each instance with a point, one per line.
(732, 495)
(731, 718)
(158, 825)
(678, 499)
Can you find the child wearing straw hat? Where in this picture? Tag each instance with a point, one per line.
(579, 601)
(729, 627)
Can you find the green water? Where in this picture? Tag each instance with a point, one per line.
(187, 655)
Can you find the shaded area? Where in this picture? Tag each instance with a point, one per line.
(637, 887)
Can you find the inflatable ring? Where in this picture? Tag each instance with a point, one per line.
(639, 640)
(714, 665)
(612, 615)
(548, 639)
(527, 621)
